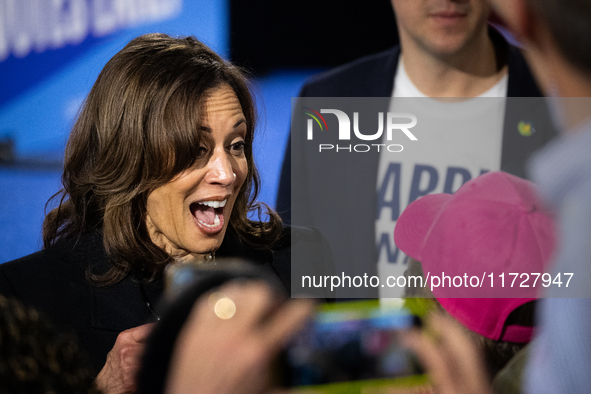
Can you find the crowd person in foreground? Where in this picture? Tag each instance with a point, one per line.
(557, 36)
(159, 170)
(494, 224)
(36, 358)
(226, 343)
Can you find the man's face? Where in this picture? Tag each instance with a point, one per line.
(440, 27)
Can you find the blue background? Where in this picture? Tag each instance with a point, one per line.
(40, 94)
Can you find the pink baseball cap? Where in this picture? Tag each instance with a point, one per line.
(494, 225)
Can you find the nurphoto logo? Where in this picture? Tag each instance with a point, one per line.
(395, 122)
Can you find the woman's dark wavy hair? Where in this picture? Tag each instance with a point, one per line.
(138, 128)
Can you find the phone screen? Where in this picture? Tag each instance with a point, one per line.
(351, 342)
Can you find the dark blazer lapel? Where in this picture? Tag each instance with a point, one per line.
(119, 307)
(270, 261)
(371, 76)
(517, 148)
(360, 179)
(368, 163)
(385, 74)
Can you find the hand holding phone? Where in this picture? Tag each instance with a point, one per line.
(358, 341)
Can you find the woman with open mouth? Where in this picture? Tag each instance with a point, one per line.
(158, 170)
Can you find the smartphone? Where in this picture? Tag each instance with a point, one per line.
(180, 277)
(355, 343)
(347, 347)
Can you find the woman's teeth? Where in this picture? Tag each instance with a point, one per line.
(214, 204)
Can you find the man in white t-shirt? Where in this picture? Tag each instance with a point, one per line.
(447, 49)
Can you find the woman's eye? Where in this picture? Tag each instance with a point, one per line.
(238, 147)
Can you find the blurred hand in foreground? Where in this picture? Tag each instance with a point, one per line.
(230, 339)
(118, 376)
(450, 356)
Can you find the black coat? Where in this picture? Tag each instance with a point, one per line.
(53, 281)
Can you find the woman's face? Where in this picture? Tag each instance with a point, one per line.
(188, 216)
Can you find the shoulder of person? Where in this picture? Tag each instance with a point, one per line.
(63, 262)
(358, 78)
(73, 248)
(301, 234)
(12, 273)
(305, 244)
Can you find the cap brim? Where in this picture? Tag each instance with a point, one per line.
(487, 316)
(416, 220)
